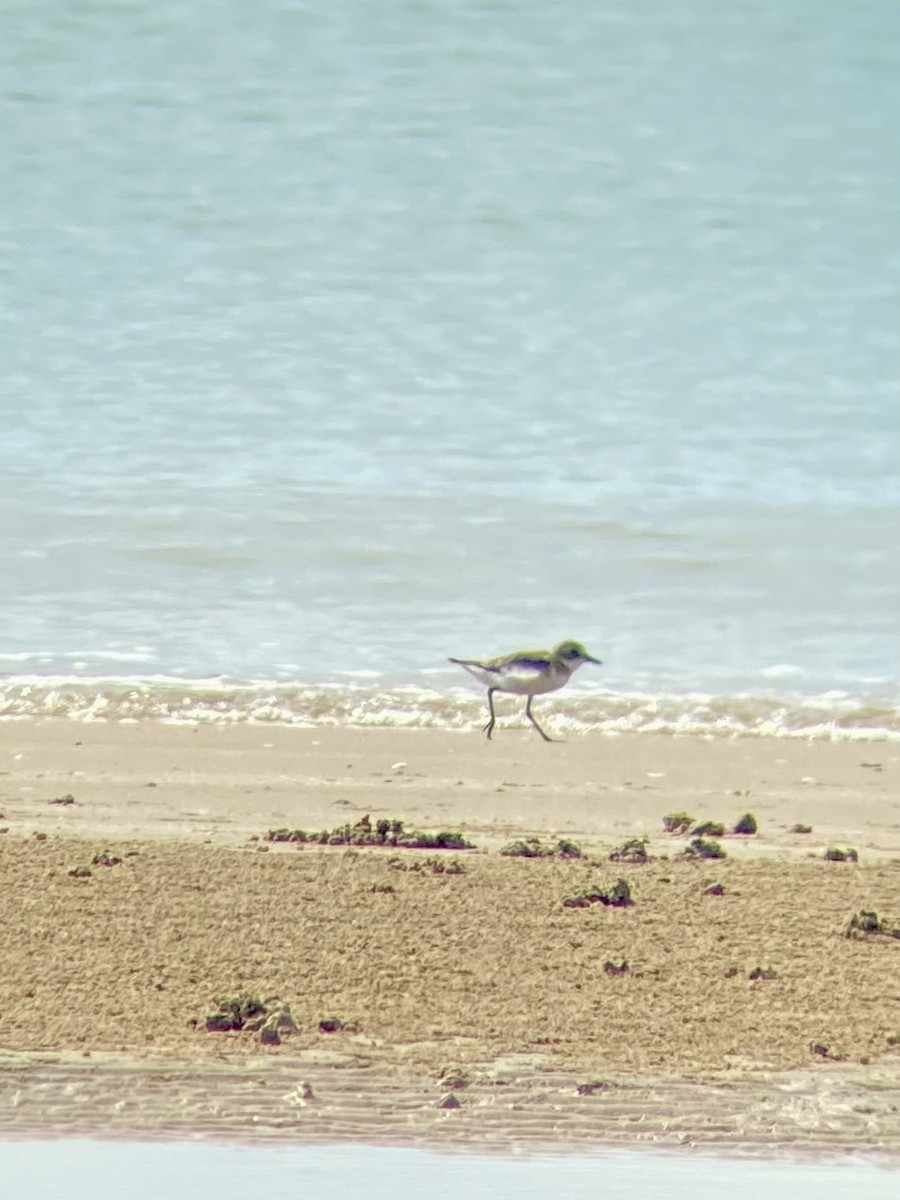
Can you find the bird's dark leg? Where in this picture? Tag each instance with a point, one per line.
(489, 728)
(529, 715)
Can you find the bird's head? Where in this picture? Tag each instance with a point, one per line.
(573, 654)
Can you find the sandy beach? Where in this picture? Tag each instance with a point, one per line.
(724, 1006)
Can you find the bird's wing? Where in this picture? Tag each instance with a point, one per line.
(525, 672)
(528, 660)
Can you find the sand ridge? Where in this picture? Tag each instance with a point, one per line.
(427, 964)
(507, 1104)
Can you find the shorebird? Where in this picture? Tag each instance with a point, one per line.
(527, 673)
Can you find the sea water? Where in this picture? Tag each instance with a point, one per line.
(338, 339)
(82, 1169)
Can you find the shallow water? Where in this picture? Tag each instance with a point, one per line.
(339, 340)
(78, 1170)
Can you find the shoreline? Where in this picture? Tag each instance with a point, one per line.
(479, 975)
(510, 1108)
(438, 705)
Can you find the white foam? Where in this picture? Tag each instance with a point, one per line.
(781, 671)
(833, 716)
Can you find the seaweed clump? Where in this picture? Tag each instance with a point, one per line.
(702, 848)
(714, 829)
(677, 822)
(634, 850)
(335, 1024)
(430, 865)
(235, 1012)
(618, 896)
(836, 854)
(251, 1014)
(746, 825)
(862, 923)
(365, 832)
(535, 848)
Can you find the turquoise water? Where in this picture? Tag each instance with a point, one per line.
(78, 1170)
(339, 339)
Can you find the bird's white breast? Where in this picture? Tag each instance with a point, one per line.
(520, 678)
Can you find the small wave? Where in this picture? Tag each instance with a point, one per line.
(831, 716)
(780, 671)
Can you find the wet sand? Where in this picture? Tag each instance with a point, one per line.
(744, 1018)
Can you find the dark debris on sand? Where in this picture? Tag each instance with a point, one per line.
(390, 833)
